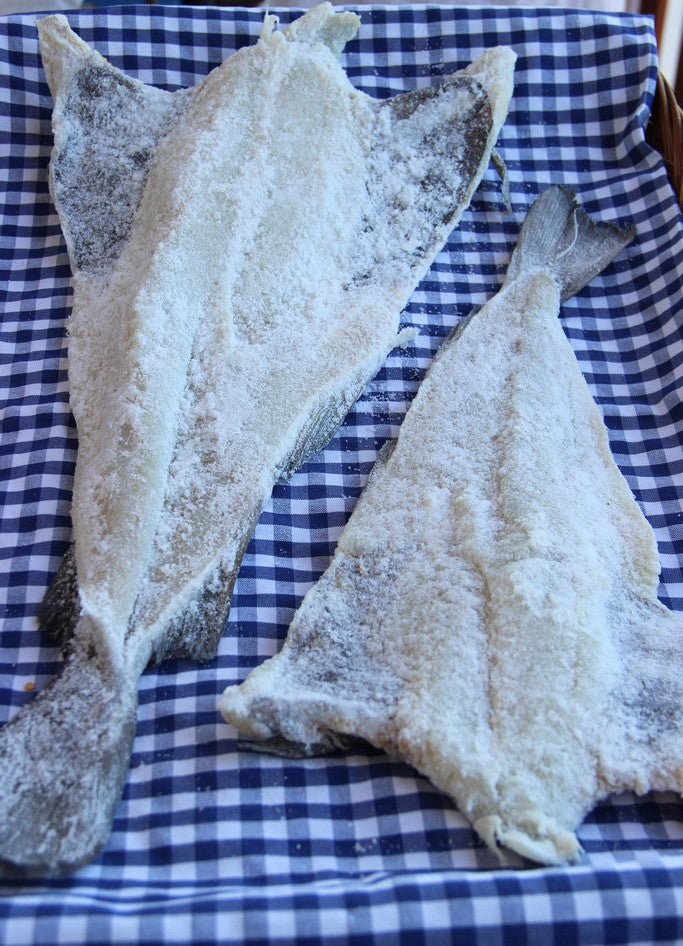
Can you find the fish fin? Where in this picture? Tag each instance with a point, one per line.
(331, 743)
(329, 411)
(324, 419)
(195, 632)
(60, 608)
(106, 128)
(559, 237)
(451, 128)
(641, 747)
(501, 167)
(63, 764)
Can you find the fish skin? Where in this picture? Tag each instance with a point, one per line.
(490, 614)
(156, 551)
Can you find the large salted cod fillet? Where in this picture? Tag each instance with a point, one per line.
(241, 252)
(490, 613)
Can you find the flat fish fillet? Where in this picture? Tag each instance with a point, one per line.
(490, 614)
(241, 253)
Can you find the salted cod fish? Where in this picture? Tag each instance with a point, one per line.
(490, 614)
(241, 253)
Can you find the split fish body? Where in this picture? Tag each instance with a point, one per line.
(241, 253)
(490, 614)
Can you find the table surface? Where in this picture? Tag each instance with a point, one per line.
(214, 844)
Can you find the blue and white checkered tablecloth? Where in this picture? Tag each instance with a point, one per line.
(212, 844)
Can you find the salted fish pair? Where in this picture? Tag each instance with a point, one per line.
(241, 253)
(490, 614)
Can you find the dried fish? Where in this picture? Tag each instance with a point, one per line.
(491, 614)
(241, 253)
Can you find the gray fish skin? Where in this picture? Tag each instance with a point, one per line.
(490, 614)
(232, 297)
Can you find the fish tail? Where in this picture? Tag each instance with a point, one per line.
(63, 764)
(559, 237)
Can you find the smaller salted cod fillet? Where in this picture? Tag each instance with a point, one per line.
(241, 253)
(490, 613)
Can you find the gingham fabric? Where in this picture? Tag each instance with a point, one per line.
(213, 844)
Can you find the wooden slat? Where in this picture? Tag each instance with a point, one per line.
(665, 133)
